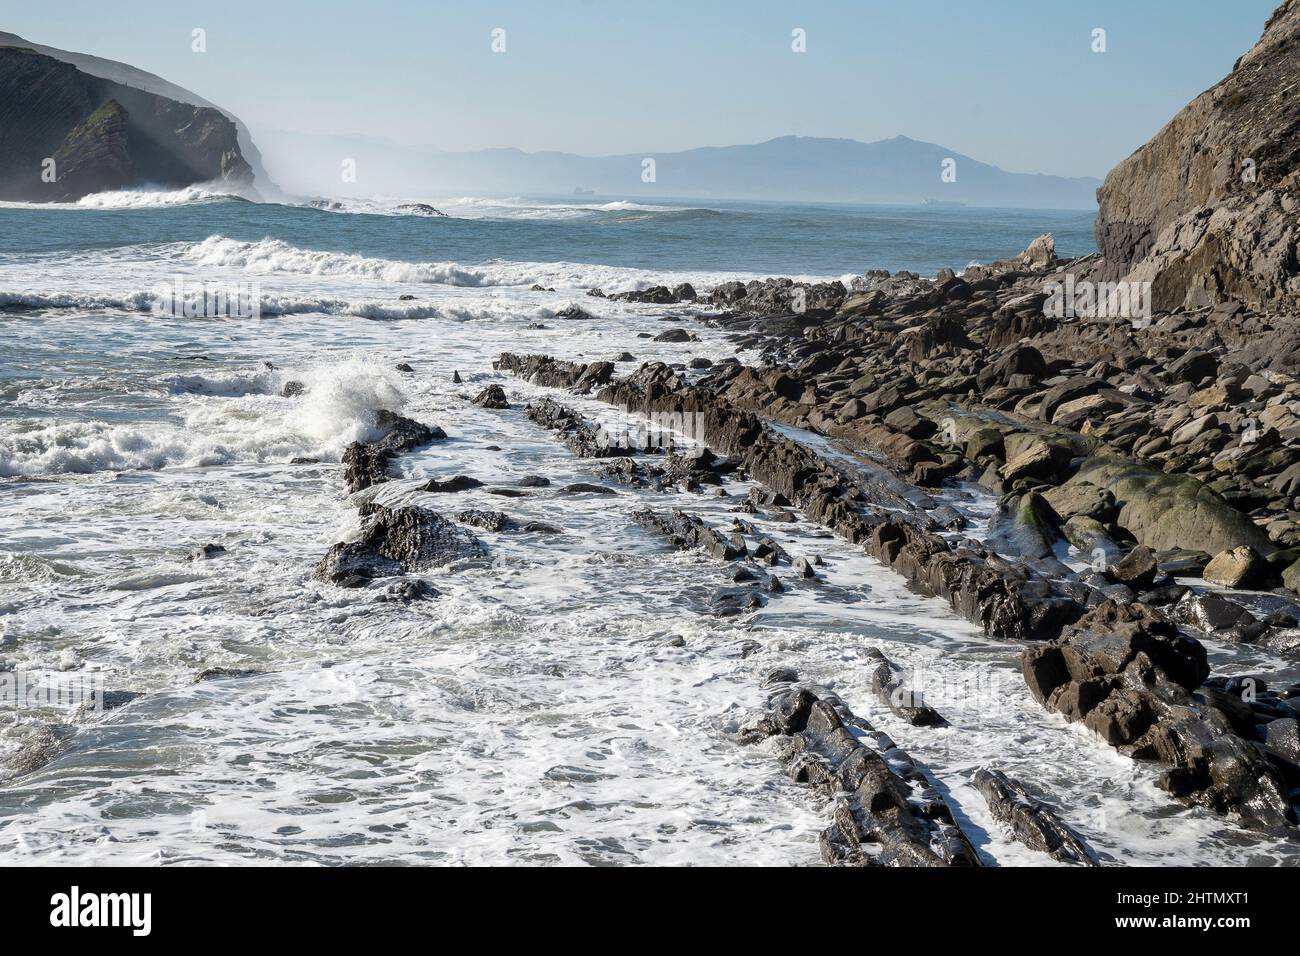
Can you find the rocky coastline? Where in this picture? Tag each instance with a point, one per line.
(1140, 459)
(1113, 494)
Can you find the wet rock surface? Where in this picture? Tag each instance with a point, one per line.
(884, 810)
(366, 463)
(1130, 676)
(543, 370)
(1031, 821)
(494, 396)
(395, 541)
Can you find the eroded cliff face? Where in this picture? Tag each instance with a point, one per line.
(1208, 209)
(101, 135)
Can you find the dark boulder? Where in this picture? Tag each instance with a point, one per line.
(494, 396)
(1031, 821)
(393, 541)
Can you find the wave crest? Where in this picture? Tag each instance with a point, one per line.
(275, 255)
(159, 198)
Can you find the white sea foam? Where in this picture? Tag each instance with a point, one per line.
(130, 301)
(255, 424)
(275, 304)
(274, 256)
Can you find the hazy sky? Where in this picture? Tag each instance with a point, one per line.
(1011, 82)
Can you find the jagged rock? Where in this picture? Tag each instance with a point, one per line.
(1031, 821)
(455, 483)
(890, 687)
(393, 541)
(586, 488)
(1283, 736)
(1039, 254)
(407, 592)
(494, 396)
(544, 370)
(803, 568)
(1131, 677)
(1038, 458)
(686, 531)
(730, 602)
(366, 463)
(1137, 570)
(885, 811)
(1210, 612)
(419, 209)
(582, 438)
(487, 520)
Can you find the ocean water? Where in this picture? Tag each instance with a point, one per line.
(564, 700)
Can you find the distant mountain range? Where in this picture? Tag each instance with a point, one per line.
(110, 150)
(798, 168)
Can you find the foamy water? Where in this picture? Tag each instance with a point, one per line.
(565, 700)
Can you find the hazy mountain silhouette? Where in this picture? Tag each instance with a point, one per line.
(787, 168)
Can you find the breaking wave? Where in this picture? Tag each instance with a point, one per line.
(159, 198)
(338, 407)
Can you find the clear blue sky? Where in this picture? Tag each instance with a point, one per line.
(1011, 82)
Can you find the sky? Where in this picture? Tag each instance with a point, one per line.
(1010, 82)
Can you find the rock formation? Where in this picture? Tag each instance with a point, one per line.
(65, 134)
(138, 79)
(1207, 209)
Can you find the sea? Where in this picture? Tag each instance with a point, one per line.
(565, 700)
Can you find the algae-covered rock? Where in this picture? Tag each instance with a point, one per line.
(1024, 526)
(1172, 511)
